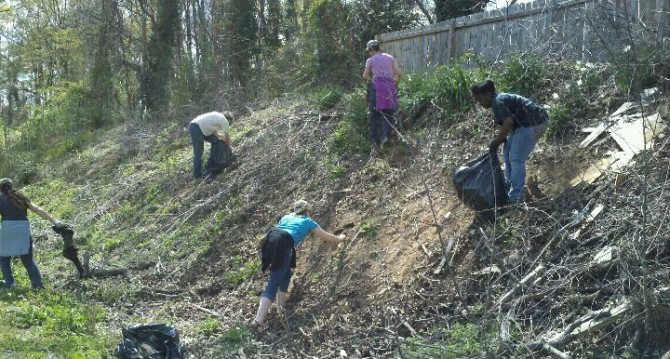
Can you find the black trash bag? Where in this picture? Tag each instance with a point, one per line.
(481, 185)
(150, 341)
(220, 157)
(70, 250)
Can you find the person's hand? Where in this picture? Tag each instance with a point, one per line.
(493, 146)
(342, 237)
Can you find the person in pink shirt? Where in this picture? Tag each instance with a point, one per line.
(384, 73)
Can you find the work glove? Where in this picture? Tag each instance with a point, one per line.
(58, 224)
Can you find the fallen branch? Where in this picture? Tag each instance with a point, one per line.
(530, 277)
(578, 329)
(102, 273)
(208, 311)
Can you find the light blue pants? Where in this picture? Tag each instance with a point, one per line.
(517, 149)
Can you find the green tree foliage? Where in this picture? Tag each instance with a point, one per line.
(78, 63)
(449, 9)
(331, 39)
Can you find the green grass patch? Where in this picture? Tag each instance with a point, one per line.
(209, 327)
(242, 270)
(232, 340)
(38, 323)
(459, 341)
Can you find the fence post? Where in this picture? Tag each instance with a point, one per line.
(450, 42)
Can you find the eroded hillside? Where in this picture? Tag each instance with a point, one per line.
(191, 246)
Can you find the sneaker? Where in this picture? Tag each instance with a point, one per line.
(255, 326)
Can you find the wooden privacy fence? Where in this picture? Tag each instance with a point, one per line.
(590, 30)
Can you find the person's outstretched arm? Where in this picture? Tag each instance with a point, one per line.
(328, 237)
(42, 213)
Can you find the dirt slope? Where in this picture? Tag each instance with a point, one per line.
(366, 296)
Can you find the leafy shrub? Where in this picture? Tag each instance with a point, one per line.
(635, 68)
(327, 97)
(351, 135)
(572, 98)
(524, 74)
(447, 88)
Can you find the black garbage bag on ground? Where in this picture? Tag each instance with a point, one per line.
(150, 341)
(481, 185)
(220, 157)
(70, 250)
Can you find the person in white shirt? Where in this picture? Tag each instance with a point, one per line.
(211, 127)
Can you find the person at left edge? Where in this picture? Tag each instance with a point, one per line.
(15, 235)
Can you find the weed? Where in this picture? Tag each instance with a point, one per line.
(368, 229)
(242, 271)
(112, 293)
(233, 339)
(447, 89)
(333, 167)
(208, 327)
(327, 97)
(350, 136)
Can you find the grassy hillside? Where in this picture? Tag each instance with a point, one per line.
(191, 246)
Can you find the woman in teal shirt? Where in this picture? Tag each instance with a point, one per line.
(278, 254)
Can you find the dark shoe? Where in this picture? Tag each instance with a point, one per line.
(256, 327)
(8, 286)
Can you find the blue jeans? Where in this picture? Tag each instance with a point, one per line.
(516, 151)
(280, 277)
(28, 263)
(198, 140)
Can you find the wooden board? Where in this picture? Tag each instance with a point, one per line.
(594, 172)
(635, 134)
